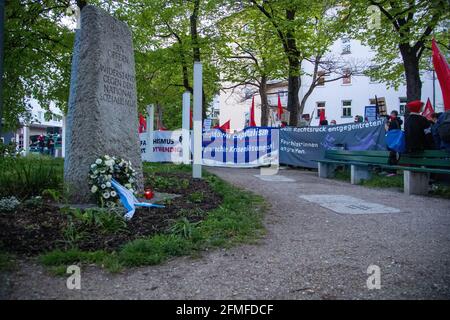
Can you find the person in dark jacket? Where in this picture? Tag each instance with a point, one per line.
(393, 123)
(417, 129)
(438, 142)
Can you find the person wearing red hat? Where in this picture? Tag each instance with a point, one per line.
(417, 129)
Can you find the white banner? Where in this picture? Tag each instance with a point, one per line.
(167, 147)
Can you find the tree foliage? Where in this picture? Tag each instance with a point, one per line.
(400, 34)
(246, 42)
(38, 50)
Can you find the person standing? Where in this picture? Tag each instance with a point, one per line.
(393, 123)
(51, 146)
(441, 131)
(417, 129)
(41, 143)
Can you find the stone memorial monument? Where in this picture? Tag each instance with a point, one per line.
(102, 115)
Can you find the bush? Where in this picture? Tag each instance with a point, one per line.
(7, 150)
(29, 176)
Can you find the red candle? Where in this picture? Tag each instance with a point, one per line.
(148, 193)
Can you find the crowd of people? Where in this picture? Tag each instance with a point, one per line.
(46, 145)
(423, 134)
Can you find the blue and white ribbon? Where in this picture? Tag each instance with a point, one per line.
(129, 201)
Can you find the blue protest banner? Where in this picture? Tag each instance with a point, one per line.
(304, 146)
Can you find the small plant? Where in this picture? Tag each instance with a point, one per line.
(9, 204)
(196, 212)
(184, 183)
(440, 190)
(52, 194)
(71, 235)
(24, 177)
(107, 220)
(196, 197)
(162, 182)
(183, 228)
(33, 202)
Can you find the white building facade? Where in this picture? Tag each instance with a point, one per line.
(38, 122)
(342, 99)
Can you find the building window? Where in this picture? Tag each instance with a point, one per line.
(346, 109)
(320, 107)
(402, 105)
(39, 116)
(347, 79)
(321, 78)
(346, 47)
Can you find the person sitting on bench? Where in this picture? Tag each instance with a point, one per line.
(418, 135)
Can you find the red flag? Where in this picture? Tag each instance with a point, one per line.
(322, 115)
(280, 108)
(225, 127)
(442, 72)
(142, 124)
(252, 113)
(190, 119)
(428, 110)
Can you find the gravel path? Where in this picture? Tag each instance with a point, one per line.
(309, 252)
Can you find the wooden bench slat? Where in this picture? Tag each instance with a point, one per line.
(424, 162)
(378, 160)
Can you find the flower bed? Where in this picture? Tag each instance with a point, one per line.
(40, 225)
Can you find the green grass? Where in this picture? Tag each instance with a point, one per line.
(376, 181)
(342, 175)
(237, 220)
(7, 262)
(380, 181)
(440, 190)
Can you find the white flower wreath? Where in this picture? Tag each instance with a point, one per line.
(102, 171)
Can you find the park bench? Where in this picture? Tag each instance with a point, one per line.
(416, 167)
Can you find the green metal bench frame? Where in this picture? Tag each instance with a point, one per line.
(417, 167)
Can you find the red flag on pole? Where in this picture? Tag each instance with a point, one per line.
(252, 113)
(225, 127)
(428, 110)
(322, 115)
(280, 108)
(443, 73)
(142, 124)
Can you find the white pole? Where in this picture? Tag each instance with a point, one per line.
(150, 128)
(186, 117)
(197, 117)
(63, 138)
(26, 139)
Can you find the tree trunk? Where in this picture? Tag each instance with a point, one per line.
(196, 47)
(293, 88)
(264, 102)
(412, 75)
(293, 56)
(2, 33)
(81, 4)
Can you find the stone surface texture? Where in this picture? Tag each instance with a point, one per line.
(104, 115)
